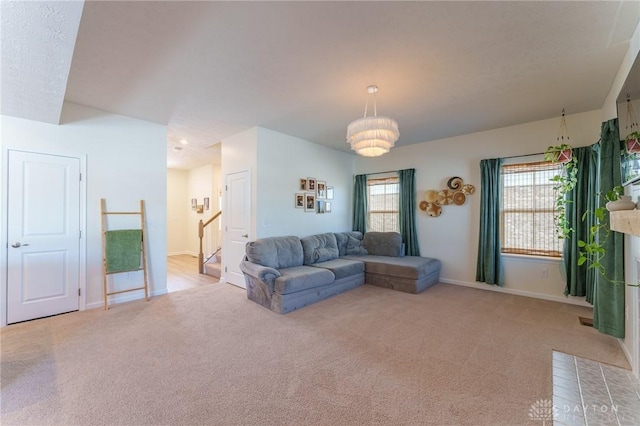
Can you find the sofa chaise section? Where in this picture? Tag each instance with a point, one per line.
(387, 266)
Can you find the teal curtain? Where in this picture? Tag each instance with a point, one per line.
(360, 204)
(489, 264)
(608, 300)
(407, 209)
(580, 279)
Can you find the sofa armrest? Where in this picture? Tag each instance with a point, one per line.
(261, 273)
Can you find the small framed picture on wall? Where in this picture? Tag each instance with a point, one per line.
(299, 201)
(329, 192)
(311, 184)
(302, 185)
(310, 202)
(321, 206)
(321, 189)
(194, 203)
(327, 207)
(206, 203)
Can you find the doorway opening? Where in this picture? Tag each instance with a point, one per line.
(193, 199)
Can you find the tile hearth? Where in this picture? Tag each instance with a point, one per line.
(589, 393)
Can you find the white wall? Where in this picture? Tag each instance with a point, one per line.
(214, 237)
(178, 206)
(609, 106)
(453, 236)
(126, 162)
(282, 161)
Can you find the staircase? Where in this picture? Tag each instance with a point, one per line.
(213, 265)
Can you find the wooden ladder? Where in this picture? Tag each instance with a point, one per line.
(105, 242)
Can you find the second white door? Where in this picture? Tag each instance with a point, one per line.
(238, 223)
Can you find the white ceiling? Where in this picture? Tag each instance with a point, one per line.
(210, 70)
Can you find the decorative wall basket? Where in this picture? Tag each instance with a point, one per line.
(455, 194)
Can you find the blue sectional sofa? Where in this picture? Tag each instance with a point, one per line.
(287, 273)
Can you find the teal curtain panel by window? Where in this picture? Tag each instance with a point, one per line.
(407, 209)
(489, 264)
(608, 301)
(360, 203)
(580, 279)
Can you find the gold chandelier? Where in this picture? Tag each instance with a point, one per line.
(372, 136)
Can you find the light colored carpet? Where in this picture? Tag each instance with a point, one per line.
(451, 355)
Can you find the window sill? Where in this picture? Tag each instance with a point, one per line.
(531, 258)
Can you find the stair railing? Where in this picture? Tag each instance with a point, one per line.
(201, 226)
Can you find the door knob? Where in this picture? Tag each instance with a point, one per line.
(245, 235)
(18, 244)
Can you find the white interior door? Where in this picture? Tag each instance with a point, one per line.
(238, 223)
(43, 257)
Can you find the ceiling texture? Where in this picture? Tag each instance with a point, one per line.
(209, 70)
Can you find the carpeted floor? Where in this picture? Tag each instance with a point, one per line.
(451, 355)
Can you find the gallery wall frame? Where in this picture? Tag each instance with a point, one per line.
(310, 202)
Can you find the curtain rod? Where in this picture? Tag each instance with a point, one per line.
(523, 155)
(380, 173)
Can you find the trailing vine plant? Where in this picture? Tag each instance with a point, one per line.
(563, 183)
(592, 251)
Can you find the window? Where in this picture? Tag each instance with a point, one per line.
(528, 209)
(383, 196)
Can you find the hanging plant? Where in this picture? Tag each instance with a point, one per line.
(563, 183)
(632, 142)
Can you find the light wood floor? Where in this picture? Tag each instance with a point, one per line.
(182, 273)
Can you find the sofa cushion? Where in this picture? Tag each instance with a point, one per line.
(383, 243)
(319, 248)
(354, 247)
(342, 268)
(300, 278)
(276, 252)
(412, 267)
(342, 238)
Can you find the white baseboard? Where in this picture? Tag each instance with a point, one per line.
(627, 354)
(125, 298)
(562, 299)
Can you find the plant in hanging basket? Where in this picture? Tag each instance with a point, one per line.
(563, 183)
(632, 143)
(559, 153)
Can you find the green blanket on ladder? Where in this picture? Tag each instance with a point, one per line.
(122, 250)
